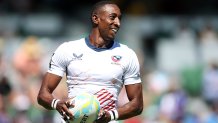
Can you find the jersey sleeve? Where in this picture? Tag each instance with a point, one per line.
(58, 61)
(132, 73)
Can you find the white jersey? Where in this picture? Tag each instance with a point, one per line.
(98, 71)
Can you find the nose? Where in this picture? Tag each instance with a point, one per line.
(117, 22)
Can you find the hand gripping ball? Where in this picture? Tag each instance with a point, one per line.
(86, 108)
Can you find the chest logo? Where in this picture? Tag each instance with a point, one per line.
(77, 57)
(116, 58)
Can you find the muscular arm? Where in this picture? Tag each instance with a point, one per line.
(133, 108)
(49, 83)
(135, 105)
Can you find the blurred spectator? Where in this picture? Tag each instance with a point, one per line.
(172, 103)
(26, 81)
(27, 64)
(213, 118)
(210, 90)
(5, 89)
(158, 82)
(208, 34)
(27, 57)
(196, 110)
(210, 84)
(184, 33)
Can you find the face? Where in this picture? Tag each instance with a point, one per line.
(109, 21)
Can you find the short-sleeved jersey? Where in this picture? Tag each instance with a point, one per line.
(99, 71)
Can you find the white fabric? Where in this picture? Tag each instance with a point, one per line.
(90, 69)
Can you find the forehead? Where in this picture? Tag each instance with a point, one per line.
(110, 8)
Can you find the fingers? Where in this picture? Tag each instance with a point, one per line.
(66, 118)
(101, 114)
(62, 108)
(70, 103)
(103, 117)
(67, 114)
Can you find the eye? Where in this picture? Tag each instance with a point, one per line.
(112, 17)
(120, 17)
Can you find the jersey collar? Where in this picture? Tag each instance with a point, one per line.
(87, 40)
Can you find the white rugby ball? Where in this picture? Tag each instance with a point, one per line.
(86, 108)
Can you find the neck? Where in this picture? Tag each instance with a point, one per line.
(97, 41)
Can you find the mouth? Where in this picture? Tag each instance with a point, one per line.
(115, 30)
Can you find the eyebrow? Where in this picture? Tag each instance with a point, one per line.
(119, 16)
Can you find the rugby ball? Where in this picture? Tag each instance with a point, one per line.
(86, 108)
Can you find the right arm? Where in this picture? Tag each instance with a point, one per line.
(49, 83)
(57, 68)
(52, 78)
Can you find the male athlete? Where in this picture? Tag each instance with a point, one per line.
(96, 64)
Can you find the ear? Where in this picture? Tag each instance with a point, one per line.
(95, 19)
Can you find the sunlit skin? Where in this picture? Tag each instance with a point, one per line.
(107, 22)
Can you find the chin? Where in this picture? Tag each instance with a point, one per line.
(112, 37)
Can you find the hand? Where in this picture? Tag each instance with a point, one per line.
(63, 108)
(103, 117)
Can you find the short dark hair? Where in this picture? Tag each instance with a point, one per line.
(98, 5)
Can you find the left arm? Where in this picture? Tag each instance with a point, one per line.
(135, 105)
(133, 108)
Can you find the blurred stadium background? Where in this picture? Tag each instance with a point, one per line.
(176, 42)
